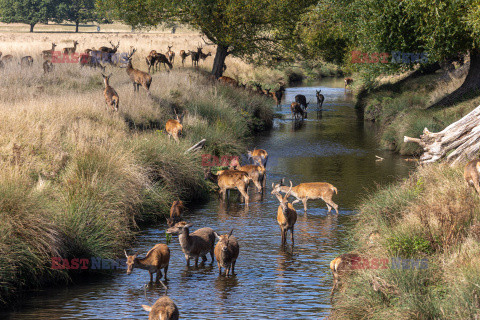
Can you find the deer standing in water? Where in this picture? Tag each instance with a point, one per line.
(286, 213)
(226, 252)
(163, 309)
(348, 82)
(156, 259)
(320, 99)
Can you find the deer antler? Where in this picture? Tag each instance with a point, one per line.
(289, 191)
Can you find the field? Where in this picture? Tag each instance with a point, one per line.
(76, 179)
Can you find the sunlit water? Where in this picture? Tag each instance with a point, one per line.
(272, 282)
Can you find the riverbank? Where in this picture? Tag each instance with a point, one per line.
(76, 180)
(400, 106)
(430, 222)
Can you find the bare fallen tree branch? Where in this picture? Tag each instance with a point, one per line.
(458, 142)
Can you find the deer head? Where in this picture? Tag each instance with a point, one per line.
(283, 200)
(223, 240)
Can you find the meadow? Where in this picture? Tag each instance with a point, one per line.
(76, 180)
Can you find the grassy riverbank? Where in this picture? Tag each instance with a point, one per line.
(400, 106)
(431, 215)
(75, 180)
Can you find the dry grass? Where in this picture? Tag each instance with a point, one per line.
(76, 178)
(433, 214)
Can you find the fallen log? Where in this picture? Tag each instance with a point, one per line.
(197, 146)
(460, 141)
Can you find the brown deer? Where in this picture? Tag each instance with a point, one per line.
(302, 100)
(175, 213)
(86, 59)
(161, 58)
(175, 127)
(163, 309)
(71, 50)
(228, 81)
(341, 266)
(151, 59)
(47, 54)
(311, 191)
(111, 96)
(156, 259)
(286, 214)
(230, 179)
(139, 78)
(297, 111)
(320, 99)
(258, 156)
(107, 52)
(170, 55)
(26, 62)
(204, 56)
(184, 56)
(348, 82)
(226, 252)
(256, 173)
(47, 66)
(195, 245)
(195, 55)
(278, 95)
(471, 174)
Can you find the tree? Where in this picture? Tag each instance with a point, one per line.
(259, 30)
(76, 11)
(30, 12)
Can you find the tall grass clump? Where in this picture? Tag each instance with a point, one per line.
(77, 180)
(432, 216)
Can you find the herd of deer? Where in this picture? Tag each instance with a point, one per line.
(201, 242)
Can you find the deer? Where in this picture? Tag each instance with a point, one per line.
(156, 259)
(163, 309)
(175, 213)
(286, 214)
(175, 127)
(278, 94)
(195, 55)
(471, 173)
(47, 66)
(348, 81)
(297, 111)
(184, 56)
(71, 50)
(111, 96)
(8, 58)
(204, 56)
(320, 99)
(86, 59)
(228, 81)
(256, 173)
(197, 244)
(108, 52)
(26, 61)
(226, 252)
(258, 156)
(302, 100)
(170, 55)
(161, 58)
(311, 191)
(47, 54)
(138, 77)
(341, 266)
(151, 59)
(230, 179)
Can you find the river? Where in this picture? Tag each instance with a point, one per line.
(272, 282)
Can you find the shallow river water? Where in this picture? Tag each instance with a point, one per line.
(272, 282)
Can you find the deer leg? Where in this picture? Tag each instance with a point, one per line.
(283, 237)
(331, 204)
(477, 186)
(291, 232)
(305, 205)
(151, 276)
(228, 271)
(211, 254)
(165, 271)
(188, 260)
(204, 258)
(196, 262)
(233, 267)
(134, 87)
(219, 268)
(159, 275)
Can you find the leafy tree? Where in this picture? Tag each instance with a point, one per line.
(77, 11)
(30, 12)
(259, 30)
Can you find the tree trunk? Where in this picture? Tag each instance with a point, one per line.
(459, 141)
(219, 61)
(76, 25)
(469, 86)
(31, 27)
